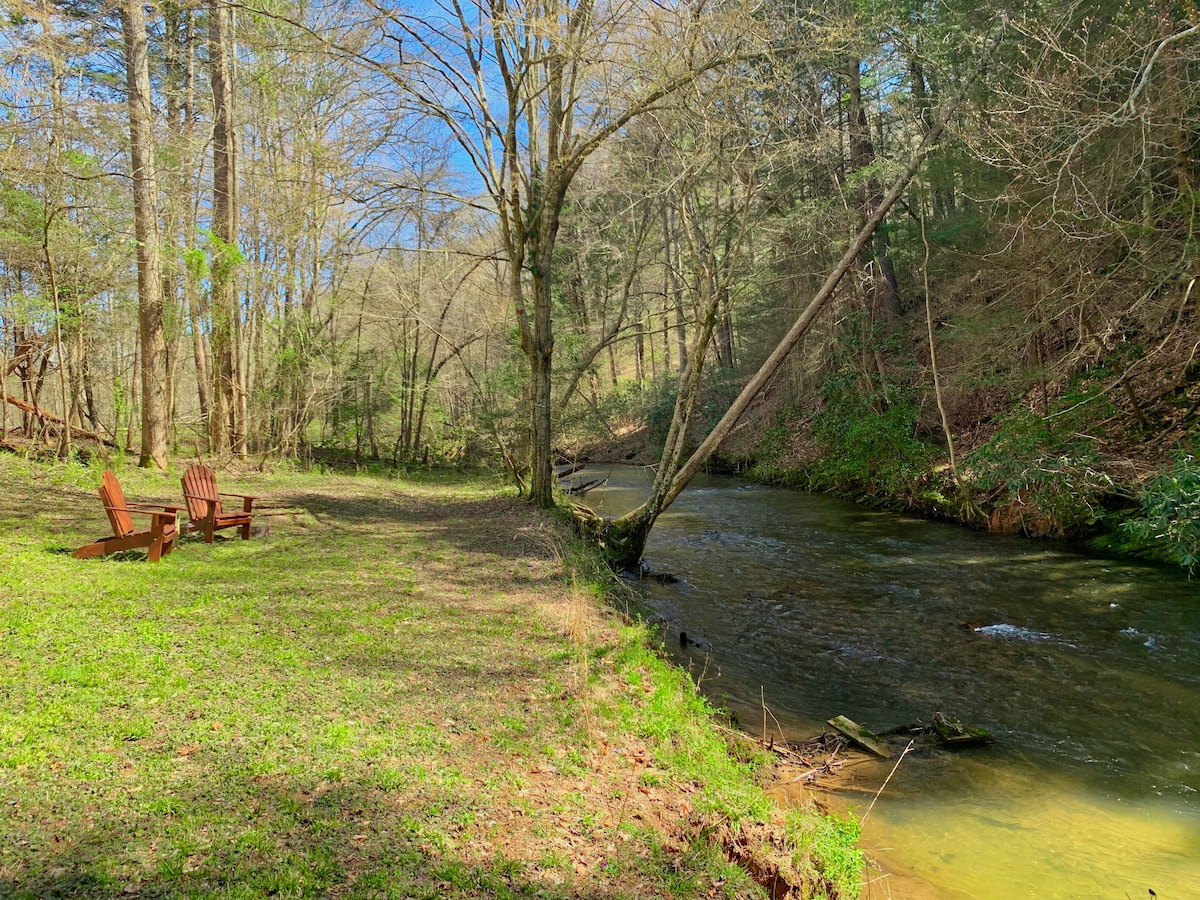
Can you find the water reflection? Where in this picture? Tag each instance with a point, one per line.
(1086, 669)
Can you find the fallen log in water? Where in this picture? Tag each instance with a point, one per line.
(584, 486)
(955, 734)
(943, 729)
(862, 736)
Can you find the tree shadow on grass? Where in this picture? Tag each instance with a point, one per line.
(495, 525)
(121, 556)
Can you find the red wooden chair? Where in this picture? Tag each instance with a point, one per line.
(158, 539)
(205, 513)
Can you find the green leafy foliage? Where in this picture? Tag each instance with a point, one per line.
(1168, 527)
(657, 404)
(717, 392)
(22, 222)
(595, 414)
(1047, 462)
(869, 438)
(224, 257)
(832, 841)
(870, 450)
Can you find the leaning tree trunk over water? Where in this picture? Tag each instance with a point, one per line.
(623, 539)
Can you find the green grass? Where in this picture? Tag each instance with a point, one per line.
(399, 692)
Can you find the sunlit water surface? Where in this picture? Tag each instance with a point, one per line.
(1086, 670)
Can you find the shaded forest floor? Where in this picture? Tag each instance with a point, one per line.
(402, 690)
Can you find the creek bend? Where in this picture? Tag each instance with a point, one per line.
(1086, 670)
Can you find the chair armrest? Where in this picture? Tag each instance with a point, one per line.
(247, 501)
(142, 507)
(158, 514)
(211, 508)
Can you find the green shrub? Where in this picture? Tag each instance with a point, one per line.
(1046, 461)
(869, 440)
(1168, 527)
(657, 406)
(657, 402)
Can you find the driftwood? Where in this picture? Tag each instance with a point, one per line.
(51, 417)
(584, 486)
(862, 736)
(810, 761)
(942, 729)
(813, 759)
(955, 734)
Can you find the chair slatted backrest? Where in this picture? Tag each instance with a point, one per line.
(114, 504)
(200, 491)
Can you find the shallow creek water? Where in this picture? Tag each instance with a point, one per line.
(1086, 670)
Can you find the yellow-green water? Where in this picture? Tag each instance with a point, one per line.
(1087, 670)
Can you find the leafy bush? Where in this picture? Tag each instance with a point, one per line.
(717, 393)
(1169, 525)
(870, 440)
(1047, 462)
(595, 415)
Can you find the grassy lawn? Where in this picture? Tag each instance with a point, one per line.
(405, 689)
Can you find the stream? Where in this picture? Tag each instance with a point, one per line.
(1085, 669)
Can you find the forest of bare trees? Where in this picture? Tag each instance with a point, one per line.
(473, 230)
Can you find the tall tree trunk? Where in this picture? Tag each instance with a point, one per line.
(924, 99)
(64, 446)
(639, 346)
(181, 287)
(151, 337)
(541, 480)
(87, 382)
(876, 258)
(226, 428)
(3, 384)
(725, 328)
(674, 294)
(53, 203)
(241, 388)
(933, 365)
(200, 360)
(133, 400)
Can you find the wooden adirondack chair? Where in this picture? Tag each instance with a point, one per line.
(158, 539)
(205, 513)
